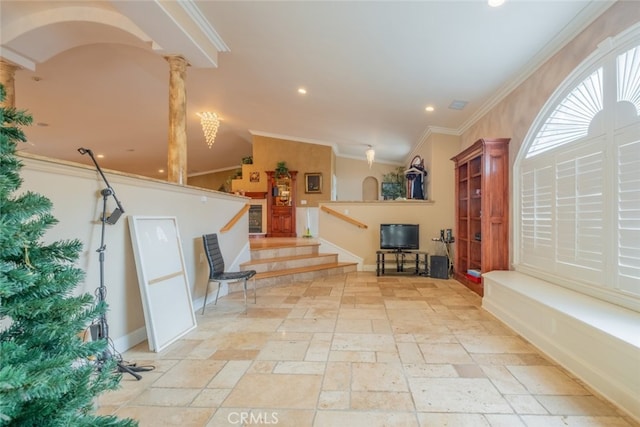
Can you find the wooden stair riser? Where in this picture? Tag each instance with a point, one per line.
(321, 271)
(285, 263)
(258, 254)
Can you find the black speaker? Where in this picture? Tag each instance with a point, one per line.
(439, 267)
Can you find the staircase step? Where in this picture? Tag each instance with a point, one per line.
(288, 262)
(280, 261)
(284, 250)
(299, 274)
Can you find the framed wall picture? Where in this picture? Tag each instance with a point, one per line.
(313, 182)
(254, 177)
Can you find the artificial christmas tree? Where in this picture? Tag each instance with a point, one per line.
(48, 373)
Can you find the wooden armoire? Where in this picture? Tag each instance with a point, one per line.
(281, 204)
(482, 211)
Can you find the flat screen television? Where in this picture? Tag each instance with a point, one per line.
(400, 237)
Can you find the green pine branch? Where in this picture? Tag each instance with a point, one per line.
(49, 376)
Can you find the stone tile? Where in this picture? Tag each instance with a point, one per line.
(262, 367)
(364, 419)
(300, 367)
(409, 352)
(469, 371)
(546, 380)
(356, 326)
(159, 416)
(377, 377)
(337, 376)
(275, 391)
(190, 374)
(466, 420)
(573, 421)
(317, 292)
(465, 395)
(494, 344)
(575, 405)
(307, 325)
(445, 353)
(525, 404)
(411, 326)
(274, 313)
(430, 370)
(225, 417)
(352, 356)
(334, 400)
(321, 313)
(230, 374)
(157, 396)
(362, 313)
(503, 380)
(211, 397)
(504, 420)
(283, 350)
(235, 354)
(362, 342)
(382, 400)
(406, 305)
(381, 326)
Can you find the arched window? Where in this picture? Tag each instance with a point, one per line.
(577, 179)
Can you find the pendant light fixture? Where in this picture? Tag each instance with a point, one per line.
(370, 153)
(210, 123)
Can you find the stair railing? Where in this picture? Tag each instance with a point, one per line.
(236, 218)
(344, 217)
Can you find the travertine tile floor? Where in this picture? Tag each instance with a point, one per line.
(355, 350)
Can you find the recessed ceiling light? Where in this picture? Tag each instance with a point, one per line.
(496, 3)
(160, 170)
(100, 156)
(302, 91)
(429, 108)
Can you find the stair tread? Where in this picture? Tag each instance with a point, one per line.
(305, 269)
(284, 258)
(285, 243)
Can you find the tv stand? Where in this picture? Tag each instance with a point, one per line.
(402, 257)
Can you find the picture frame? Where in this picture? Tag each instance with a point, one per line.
(254, 177)
(313, 182)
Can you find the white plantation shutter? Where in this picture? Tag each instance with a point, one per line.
(571, 119)
(579, 183)
(537, 194)
(629, 216)
(579, 213)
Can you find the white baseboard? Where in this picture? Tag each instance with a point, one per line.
(128, 341)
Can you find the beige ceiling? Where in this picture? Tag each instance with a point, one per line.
(94, 75)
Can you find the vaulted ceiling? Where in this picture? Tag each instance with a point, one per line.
(93, 73)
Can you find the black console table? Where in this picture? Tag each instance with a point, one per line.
(401, 257)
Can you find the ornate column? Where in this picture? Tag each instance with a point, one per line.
(7, 79)
(177, 156)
